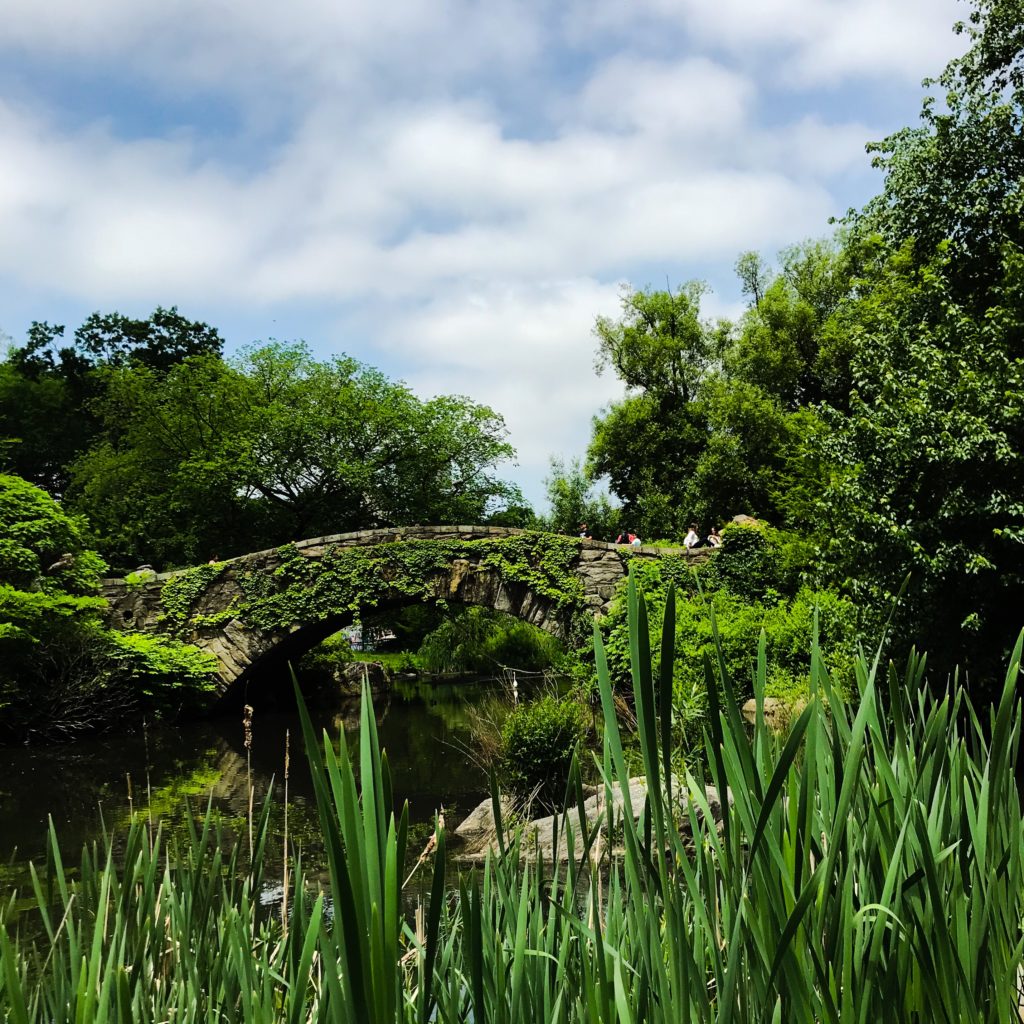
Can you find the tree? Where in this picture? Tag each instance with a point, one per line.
(48, 389)
(958, 176)
(573, 501)
(927, 472)
(755, 275)
(787, 343)
(660, 345)
(928, 467)
(662, 349)
(751, 442)
(61, 670)
(648, 454)
(222, 457)
(163, 340)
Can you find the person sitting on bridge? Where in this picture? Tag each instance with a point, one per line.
(715, 538)
(634, 540)
(625, 537)
(585, 534)
(693, 537)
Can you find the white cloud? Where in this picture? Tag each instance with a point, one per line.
(345, 209)
(525, 350)
(305, 46)
(667, 99)
(467, 181)
(797, 42)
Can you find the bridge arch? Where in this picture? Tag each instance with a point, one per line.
(283, 601)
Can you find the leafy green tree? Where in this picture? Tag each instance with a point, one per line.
(662, 349)
(573, 501)
(161, 341)
(928, 467)
(48, 389)
(722, 454)
(927, 472)
(47, 575)
(747, 446)
(787, 343)
(660, 345)
(61, 670)
(958, 175)
(222, 457)
(648, 454)
(755, 275)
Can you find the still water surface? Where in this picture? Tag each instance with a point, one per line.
(427, 730)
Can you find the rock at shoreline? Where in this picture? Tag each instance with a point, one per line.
(478, 835)
(349, 678)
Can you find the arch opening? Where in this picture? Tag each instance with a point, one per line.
(268, 679)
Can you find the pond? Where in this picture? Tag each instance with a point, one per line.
(428, 730)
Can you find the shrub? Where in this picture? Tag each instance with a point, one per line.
(329, 654)
(745, 587)
(758, 563)
(61, 670)
(538, 741)
(479, 640)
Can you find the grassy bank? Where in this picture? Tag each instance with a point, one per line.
(868, 868)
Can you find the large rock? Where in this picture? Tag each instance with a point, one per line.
(478, 835)
(350, 676)
(742, 520)
(778, 714)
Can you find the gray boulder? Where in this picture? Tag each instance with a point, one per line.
(350, 676)
(547, 837)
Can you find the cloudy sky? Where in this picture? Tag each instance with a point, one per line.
(450, 190)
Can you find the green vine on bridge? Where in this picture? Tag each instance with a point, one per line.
(295, 588)
(181, 592)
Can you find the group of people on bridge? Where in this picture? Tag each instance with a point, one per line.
(693, 539)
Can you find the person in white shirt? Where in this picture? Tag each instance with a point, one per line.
(693, 537)
(715, 538)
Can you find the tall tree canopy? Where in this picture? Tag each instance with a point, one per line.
(221, 457)
(703, 432)
(48, 388)
(958, 175)
(929, 464)
(871, 395)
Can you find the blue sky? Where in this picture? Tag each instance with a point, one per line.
(452, 190)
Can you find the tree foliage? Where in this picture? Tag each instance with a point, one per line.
(223, 457)
(48, 388)
(61, 670)
(660, 345)
(574, 501)
(870, 395)
(958, 176)
(929, 464)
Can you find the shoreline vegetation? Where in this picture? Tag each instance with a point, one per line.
(813, 834)
(866, 407)
(868, 865)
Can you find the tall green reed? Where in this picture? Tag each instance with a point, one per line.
(866, 866)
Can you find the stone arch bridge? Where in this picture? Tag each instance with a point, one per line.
(279, 603)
